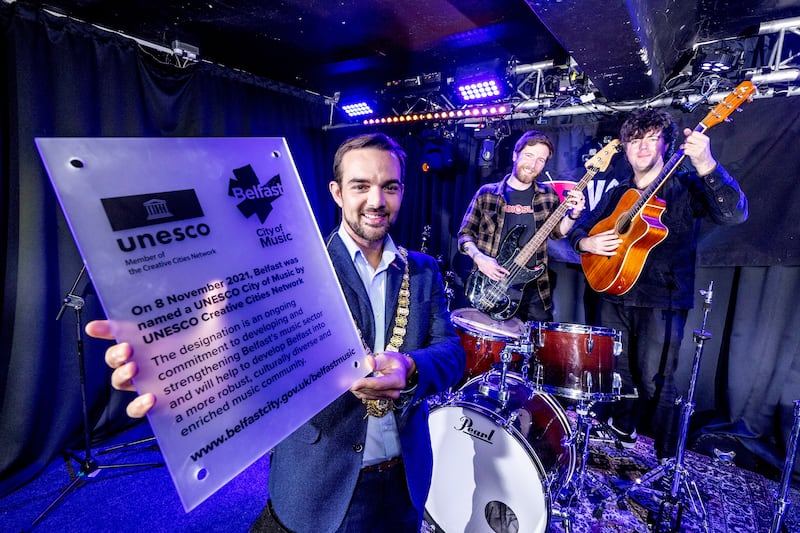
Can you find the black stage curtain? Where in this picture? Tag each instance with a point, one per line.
(67, 79)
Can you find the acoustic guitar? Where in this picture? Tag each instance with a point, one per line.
(637, 216)
(500, 299)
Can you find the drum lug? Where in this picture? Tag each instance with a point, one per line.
(539, 339)
(588, 381)
(616, 385)
(538, 374)
(589, 344)
(512, 417)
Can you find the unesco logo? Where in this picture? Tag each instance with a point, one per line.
(256, 199)
(142, 210)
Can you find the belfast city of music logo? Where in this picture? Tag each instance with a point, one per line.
(256, 199)
(157, 208)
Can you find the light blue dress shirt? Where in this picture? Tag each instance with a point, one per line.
(383, 439)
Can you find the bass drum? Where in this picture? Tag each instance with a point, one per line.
(497, 468)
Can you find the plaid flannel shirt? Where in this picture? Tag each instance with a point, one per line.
(483, 225)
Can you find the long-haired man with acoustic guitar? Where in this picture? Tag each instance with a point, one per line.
(643, 267)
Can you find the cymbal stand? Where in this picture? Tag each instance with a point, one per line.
(581, 439)
(782, 501)
(449, 291)
(89, 467)
(670, 511)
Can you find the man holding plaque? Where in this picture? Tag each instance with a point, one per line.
(364, 463)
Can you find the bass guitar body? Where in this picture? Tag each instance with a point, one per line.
(500, 299)
(639, 234)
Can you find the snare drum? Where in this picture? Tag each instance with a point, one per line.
(497, 466)
(576, 361)
(484, 338)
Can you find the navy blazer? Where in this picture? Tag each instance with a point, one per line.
(313, 472)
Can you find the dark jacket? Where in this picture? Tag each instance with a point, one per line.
(313, 471)
(667, 277)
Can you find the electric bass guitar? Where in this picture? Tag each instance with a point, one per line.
(500, 299)
(637, 217)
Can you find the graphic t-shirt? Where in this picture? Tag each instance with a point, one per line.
(519, 211)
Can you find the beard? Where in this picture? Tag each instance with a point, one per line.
(368, 231)
(524, 173)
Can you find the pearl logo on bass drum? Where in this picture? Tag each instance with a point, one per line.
(466, 427)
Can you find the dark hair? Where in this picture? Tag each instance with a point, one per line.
(531, 138)
(368, 140)
(642, 121)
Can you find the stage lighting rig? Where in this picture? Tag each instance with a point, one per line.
(481, 82)
(185, 50)
(719, 60)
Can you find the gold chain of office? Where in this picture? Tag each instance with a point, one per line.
(381, 408)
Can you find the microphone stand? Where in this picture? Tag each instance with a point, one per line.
(674, 465)
(89, 467)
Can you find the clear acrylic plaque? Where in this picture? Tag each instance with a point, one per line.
(205, 254)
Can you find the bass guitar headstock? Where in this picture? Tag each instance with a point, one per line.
(599, 161)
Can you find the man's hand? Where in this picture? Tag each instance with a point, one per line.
(120, 358)
(489, 266)
(697, 148)
(388, 379)
(577, 202)
(604, 243)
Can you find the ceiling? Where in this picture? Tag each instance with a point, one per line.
(628, 49)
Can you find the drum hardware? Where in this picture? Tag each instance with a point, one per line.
(587, 378)
(89, 466)
(576, 487)
(499, 392)
(782, 501)
(449, 290)
(670, 511)
(565, 517)
(537, 375)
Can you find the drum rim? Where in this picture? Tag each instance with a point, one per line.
(571, 327)
(491, 335)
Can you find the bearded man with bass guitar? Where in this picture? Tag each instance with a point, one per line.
(650, 304)
(510, 212)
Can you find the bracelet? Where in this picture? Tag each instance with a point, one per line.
(575, 218)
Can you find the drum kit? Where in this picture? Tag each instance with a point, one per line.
(505, 452)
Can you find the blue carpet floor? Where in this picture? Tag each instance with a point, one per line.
(144, 499)
(130, 499)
